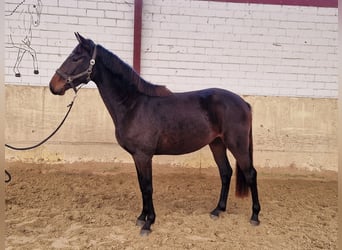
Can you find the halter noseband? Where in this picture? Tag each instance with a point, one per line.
(70, 78)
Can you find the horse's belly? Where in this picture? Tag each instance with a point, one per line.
(178, 149)
(177, 144)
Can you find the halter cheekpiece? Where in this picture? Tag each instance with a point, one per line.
(70, 78)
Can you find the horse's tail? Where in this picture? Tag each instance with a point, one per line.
(242, 186)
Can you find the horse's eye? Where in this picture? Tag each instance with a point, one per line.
(34, 6)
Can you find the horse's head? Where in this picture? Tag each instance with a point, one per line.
(76, 69)
(35, 9)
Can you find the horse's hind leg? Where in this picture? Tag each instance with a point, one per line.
(247, 177)
(255, 199)
(220, 155)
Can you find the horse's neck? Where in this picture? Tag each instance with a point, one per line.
(25, 18)
(118, 103)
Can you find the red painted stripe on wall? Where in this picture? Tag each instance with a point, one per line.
(312, 3)
(137, 35)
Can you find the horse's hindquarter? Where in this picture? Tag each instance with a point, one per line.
(187, 122)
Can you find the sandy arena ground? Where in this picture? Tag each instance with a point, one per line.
(94, 206)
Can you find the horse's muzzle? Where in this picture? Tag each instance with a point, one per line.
(57, 85)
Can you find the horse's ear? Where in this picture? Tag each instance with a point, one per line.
(77, 36)
(80, 38)
(85, 43)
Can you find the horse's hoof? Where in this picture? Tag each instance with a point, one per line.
(17, 75)
(254, 222)
(36, 71)
(145, 232)
(214, 216)
(140, 223)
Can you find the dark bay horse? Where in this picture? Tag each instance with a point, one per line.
(151, 120)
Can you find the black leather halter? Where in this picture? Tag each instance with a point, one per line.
(70, 78)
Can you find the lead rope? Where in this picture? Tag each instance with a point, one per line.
(9, 177)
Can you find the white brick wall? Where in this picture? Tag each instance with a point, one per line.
(107, 22)
(248, 48)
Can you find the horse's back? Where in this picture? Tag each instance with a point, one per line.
(215, 94)
(215, 103)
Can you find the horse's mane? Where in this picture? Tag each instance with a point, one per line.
(118, 67)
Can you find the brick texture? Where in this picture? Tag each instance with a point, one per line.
(109, 23)
(252, 49)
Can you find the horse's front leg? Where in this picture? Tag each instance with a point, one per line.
(21, 53)
(143, 164)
